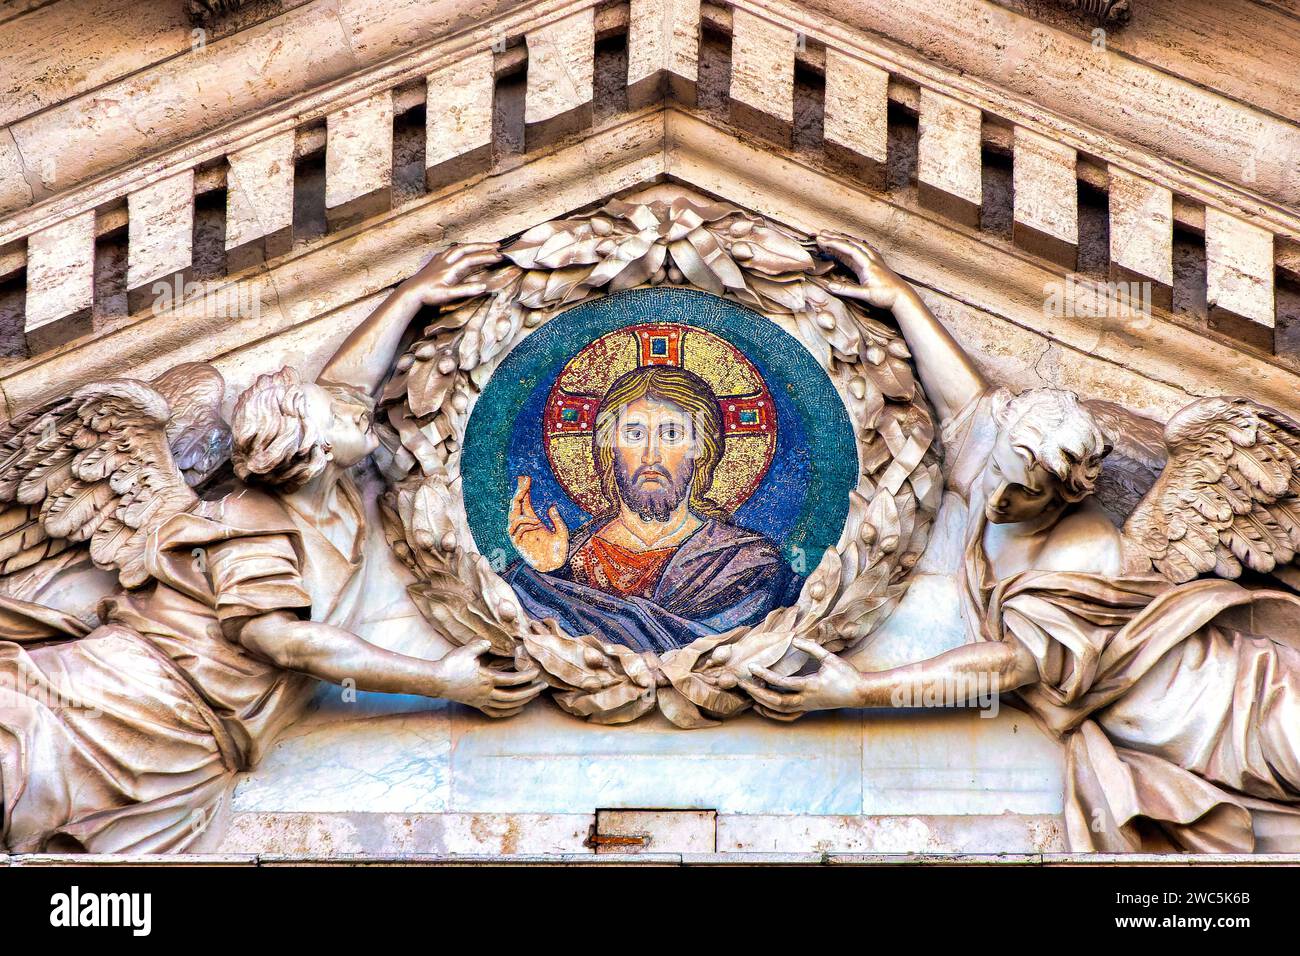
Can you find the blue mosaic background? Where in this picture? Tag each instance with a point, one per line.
(801, 503)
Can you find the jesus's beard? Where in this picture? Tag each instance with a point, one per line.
(658, 500)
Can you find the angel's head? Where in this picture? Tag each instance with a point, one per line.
(287, 431)
(1048, 454)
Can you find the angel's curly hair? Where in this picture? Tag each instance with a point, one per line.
(1049, 427)
(276, 441)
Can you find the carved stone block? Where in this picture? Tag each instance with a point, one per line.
(160, 235)
(1046, 198)
(458, 127)
(762, 76)
(856, 124)
(1239, 278)
(359, 161)
(259, 202)
(60, 282)
(561, 71)
(1142, 234)
(948, 160)
(662, 51)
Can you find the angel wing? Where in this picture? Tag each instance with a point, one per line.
(97, 466)
(1229, 497)
(1138, 456)
(197, 434)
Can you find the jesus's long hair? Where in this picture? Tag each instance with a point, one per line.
(686, 390)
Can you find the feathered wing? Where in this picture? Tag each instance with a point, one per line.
(1228, 499)
(93, 467)
(1138, 456)
(197, 434)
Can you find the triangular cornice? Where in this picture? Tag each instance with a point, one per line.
(994, 290)
(569, 164)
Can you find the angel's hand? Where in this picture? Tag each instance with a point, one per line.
(837, 683)
(545, 549)
(442, 278)
(878, 285)
(462, 676)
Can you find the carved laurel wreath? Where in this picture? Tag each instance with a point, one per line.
(719, 249)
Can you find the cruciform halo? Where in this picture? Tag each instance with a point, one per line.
(749, 424)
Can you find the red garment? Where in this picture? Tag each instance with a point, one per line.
(610, 567)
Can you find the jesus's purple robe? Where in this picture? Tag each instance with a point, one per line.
(723, 576)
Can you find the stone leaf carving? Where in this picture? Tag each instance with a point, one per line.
(720, 249)
(1104, 12)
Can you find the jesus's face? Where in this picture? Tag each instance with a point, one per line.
(654, 457)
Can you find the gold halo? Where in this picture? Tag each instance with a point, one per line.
(748, 414)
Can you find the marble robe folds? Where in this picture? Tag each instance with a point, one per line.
(126, 739)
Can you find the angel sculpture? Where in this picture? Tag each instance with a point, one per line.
(228, 609)
(1177, 696)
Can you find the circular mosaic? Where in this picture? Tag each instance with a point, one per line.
(789, 458)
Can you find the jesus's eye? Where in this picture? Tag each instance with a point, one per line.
(671, 433)
(634, 435)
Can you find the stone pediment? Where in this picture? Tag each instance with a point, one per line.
(1058, 250)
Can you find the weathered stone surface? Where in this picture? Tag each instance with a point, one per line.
(1226, 51)
(259, 201)
(1125, 98)
(856, 115)
(161, 234)
(746, 836)
(948, 158)
(180, 97)
(561, 67)
(762, 76)
(459, 834)
(1046, 198)
(15, 190)
(52, 54)
(359, 160)
(458, 125)
(1141, 233)
(663, 51)
(973, 833)
(141, 112)
(655, 831)
(1239, 278)
(60, 282)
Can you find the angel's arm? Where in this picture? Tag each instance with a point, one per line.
(949, 375)
(963, 676)
(968, 672)
(336, 655)
(365, 357)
